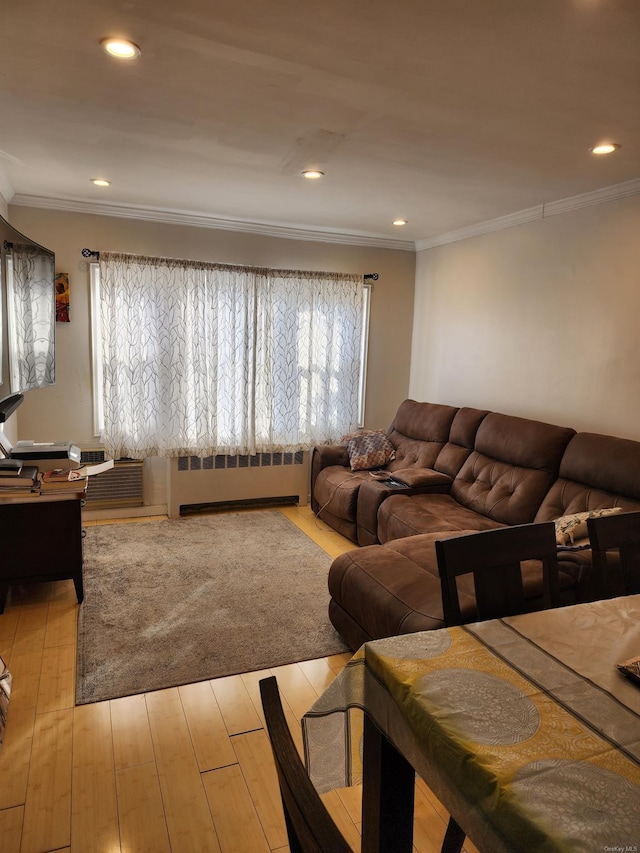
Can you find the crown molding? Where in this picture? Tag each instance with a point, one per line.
(6, 188)
(486, 227)
(178, 217)
(540, 211)
(576, 202)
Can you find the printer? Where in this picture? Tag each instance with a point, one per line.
(46, 455)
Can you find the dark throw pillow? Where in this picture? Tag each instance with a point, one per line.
(369, 449)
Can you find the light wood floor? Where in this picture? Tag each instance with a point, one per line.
(182, 770)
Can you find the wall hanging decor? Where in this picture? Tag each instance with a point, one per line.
(62, 297)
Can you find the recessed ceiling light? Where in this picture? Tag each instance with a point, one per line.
(400, 221)
(312, 174)
(120, 48)
(100, 182)
(605, 148)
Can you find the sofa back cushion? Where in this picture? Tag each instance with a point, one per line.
(462, 437)
(511, 468)
(418, 432)
(596, 471)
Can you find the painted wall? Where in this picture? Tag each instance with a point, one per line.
(64, 411)
(540, 320)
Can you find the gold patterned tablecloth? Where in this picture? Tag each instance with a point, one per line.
(523, 727)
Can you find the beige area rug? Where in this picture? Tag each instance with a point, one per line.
(176, 601)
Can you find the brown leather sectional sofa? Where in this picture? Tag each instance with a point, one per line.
(467, 470)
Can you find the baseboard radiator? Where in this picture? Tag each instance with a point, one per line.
(121, 486)
(227, 482)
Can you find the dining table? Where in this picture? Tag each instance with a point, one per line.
(525, 728)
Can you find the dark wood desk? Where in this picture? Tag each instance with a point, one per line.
(40, 540)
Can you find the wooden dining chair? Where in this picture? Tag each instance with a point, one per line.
(310, 827)
(615, 548)
(495, 558)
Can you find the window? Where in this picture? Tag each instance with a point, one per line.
(205, 359)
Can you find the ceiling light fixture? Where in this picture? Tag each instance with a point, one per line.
(605, 148)
(400, 221)
(120, 48)
(100, 182)
(312, 174)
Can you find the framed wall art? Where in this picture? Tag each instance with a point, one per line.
(62, 297)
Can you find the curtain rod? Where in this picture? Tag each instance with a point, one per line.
(89, 253)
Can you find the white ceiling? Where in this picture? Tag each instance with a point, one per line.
(445, 112)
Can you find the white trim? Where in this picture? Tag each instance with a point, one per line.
(528, 215)
(6, 187)
(541, 211)
(576, 202)
(96, 351)
(200, 220)
(364, 351)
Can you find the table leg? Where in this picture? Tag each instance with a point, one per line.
(79, 586)
(388, 787)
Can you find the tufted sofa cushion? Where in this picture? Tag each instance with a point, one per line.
(514, 462)
(419, 432)
(597, 471)
(503, 481)
(462, 437)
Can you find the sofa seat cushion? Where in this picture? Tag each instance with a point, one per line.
(410, 515)
(373, 494)
(387, 592)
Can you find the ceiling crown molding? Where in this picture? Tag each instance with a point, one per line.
(289, 232)
(540, 211)
(178, 217)
(6, 188)
(486, 227)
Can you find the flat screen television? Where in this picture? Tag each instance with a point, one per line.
(28, 306)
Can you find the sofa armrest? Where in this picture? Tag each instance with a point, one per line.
(419, 478)
(373, 492)
(323, 456)
(330, 454)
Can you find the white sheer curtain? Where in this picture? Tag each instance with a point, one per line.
(200, 359)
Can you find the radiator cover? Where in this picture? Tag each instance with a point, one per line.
(121, 486)
(197, 484)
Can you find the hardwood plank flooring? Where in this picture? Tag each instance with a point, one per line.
(174, 771)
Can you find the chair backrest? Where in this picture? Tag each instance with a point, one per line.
(619, 573)
(494, 557)
(310, 827)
